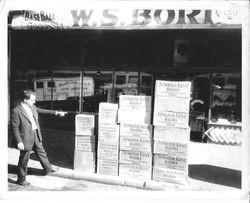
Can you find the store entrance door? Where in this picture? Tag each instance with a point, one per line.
(128, 83)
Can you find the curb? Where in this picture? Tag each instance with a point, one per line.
(113, 180)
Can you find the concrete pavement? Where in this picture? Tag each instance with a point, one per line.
(211, 168)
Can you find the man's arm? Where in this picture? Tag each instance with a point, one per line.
(52, 112)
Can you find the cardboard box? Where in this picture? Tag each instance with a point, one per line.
(135, 171)
(134, 116)
(172, 134)
(84, 124)
(108, 132)
(169, 161)
(135, 130)
(108, 150)
(84, 161)
(108, 113)
(136, 144)
(172, 88)
(85, 143)
(171, 119)
(170, 175)
(135, 157)
(170, 148)
(107, 167)
(175, 104)
(135, 102)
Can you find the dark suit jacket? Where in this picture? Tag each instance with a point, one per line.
(21, 125)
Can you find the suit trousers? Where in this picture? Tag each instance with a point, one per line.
(25, 156)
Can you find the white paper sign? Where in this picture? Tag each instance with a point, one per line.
(136, 144)
(135, 171)
(107, 167)
(172, 134)
(85, 143)
(135, 157)
(170, 175)
(175, 104)
(108, 113)
(169, 161)
(135, 102)
(108, 133)
(172, 88)
(134, 116)
(107, 150)
(84, 124)
(135, 130)
(172, 119)
(170, 148)
(84, 161)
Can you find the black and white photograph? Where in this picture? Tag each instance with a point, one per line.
(131, 100)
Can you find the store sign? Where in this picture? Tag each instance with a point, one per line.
(124, 18)
(72, 88)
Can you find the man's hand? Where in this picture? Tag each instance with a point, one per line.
(20, 146)
(61, 113)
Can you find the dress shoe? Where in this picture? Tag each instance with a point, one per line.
(53, 170)
(23, 183)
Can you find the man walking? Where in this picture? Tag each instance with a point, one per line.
(26, 131)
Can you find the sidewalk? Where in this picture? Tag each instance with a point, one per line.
(222, 176)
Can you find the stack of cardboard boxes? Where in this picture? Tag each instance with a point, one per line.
(85, 143)
(135, 159)
(171, 131)
(108, 140)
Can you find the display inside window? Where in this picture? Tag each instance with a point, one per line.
(226, 98)
(146, 84)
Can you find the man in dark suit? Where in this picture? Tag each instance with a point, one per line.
(27, 134)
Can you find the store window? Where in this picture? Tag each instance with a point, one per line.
(226, 98)
(102, 86)
(51, 84)
(39, 84)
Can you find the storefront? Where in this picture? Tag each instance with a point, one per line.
(75, 59)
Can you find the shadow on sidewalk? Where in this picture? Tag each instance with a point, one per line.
(12, 169)
(216, 175)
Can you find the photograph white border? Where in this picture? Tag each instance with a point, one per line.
(112, 195)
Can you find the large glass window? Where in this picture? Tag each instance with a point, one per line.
(226, 98)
